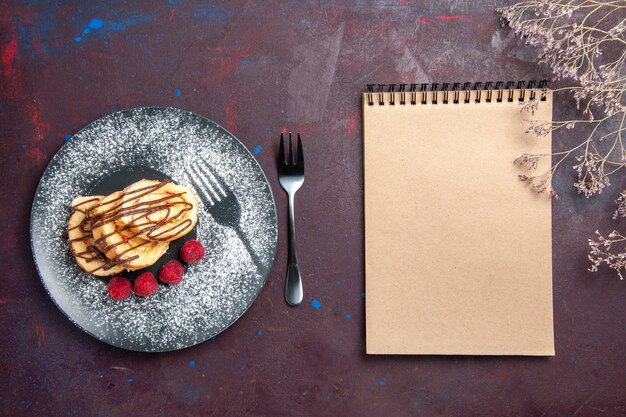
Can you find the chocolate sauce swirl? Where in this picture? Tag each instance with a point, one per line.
(142, 224)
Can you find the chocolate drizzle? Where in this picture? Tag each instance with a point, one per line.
(141, 226)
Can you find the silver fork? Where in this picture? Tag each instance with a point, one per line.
(220, 201)
(291, 177)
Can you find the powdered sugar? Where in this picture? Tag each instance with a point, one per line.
(215, 291)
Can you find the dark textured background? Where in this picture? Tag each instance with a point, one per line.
(258, 68)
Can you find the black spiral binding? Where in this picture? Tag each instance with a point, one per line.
(424, 90)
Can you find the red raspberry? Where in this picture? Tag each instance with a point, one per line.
(171, 272)
(145, 284)
(192, 251)
(119, 288)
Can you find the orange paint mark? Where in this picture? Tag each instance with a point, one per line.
(455, 16)
(422, 20)
(121, 368)
(352, 125)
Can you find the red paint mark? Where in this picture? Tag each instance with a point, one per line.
(2, 301)
(304, 128)
(41, 128)
(301, 129)
(352, 125)
(445, 18)
(36, 154)
(37, 46)
(353, 26)
(231, 113)
(40, 333)
(221, 389)
(453, 16)
(7, 57)
(223, 62)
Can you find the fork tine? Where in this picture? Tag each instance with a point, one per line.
(300, 159)
(206, 184)
(210, 180)
(204, 195)
(281, 151)
(290, 162)
(215, 180)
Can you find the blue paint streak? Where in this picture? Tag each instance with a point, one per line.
(302, 21)
(23, 146)
(245, 61)
(348, 316)
(213, 339)
(178, 93)
(259, 333)
(363, 294)
(316, 304)
(192, 363)
(337, 282)
(68, 137)
(78, 39)
(121, 24)
(212, 12)
(382, 383)
(96, 23)
(573, 360)
(257, 149)
(80, 77)
(86, 31)
(131, 380)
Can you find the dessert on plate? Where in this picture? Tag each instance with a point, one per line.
(129, 229)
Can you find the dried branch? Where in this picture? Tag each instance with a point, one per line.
(572, 36)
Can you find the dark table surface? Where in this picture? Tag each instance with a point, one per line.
(259, 67)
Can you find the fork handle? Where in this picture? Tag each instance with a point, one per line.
(293, 283)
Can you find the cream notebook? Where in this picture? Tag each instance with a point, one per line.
(458, 251)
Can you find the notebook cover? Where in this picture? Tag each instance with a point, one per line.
(458, 250)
